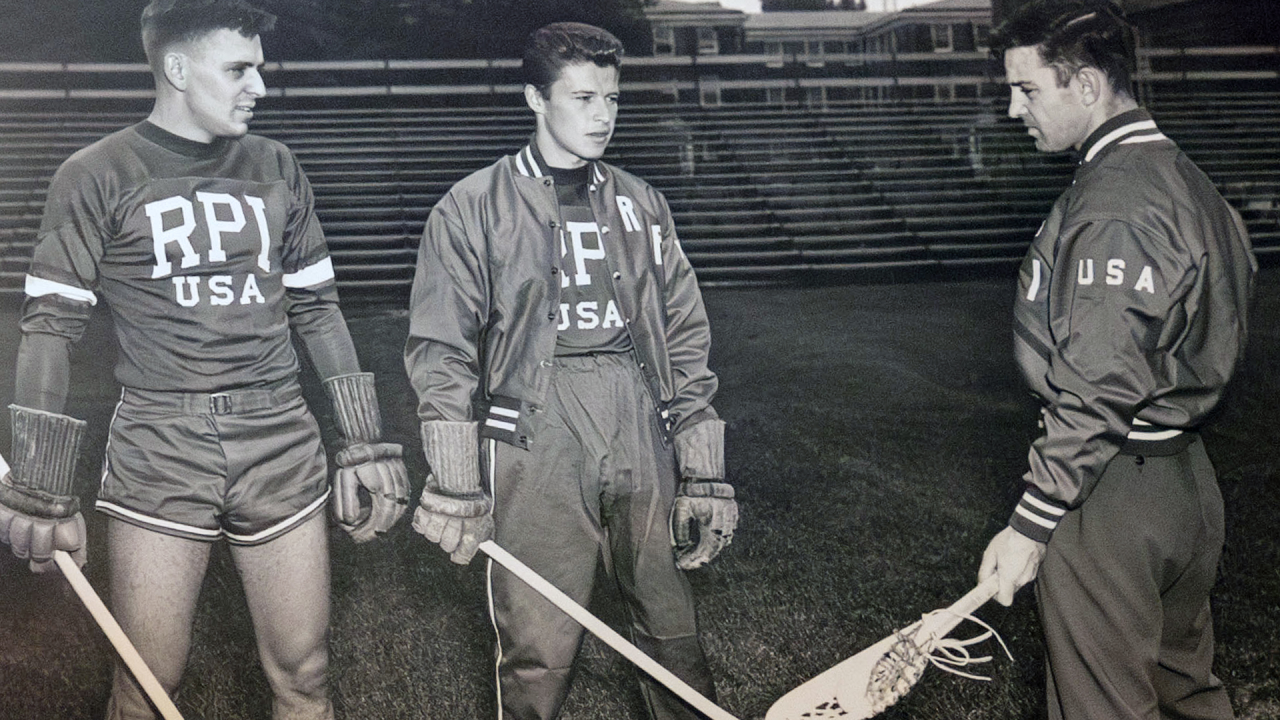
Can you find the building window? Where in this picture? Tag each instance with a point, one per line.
(941, 37)
(982, 37)
(664, 40)
(708, 41)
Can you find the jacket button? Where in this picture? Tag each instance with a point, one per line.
(553, 223)
(642, 366)
(551, 316)
(547, 182)
(593, 188)
(617, 276)
(555, 270)
(604, 229)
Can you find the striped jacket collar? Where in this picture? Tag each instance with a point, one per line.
(529, 163)
(1134, 126)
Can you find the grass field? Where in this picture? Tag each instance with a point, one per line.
(876, 435)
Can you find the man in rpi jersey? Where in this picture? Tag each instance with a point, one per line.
(203, 242)
(558, 345)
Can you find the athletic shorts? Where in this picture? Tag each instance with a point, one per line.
(247, 465)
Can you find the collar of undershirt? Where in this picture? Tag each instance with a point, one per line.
(179, 144)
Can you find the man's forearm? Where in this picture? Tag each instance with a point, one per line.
(42, 377)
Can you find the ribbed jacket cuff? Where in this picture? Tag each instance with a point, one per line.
(1036, 515)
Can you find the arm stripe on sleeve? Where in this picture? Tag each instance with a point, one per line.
(39, 287)
(311, 275)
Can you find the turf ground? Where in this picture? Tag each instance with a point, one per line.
(876, 435)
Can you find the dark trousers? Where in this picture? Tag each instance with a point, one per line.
(596, 484)
(1124, 594)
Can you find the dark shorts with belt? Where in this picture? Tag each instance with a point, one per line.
(246, 465)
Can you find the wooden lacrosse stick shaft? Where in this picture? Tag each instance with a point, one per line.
(607, 634)
(116, 635)
(944, 621)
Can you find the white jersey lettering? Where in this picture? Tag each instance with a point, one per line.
(220, 292)
(211, 201)
(192, 285)
(587, 317)
(264, 235)
(612, 318)
(251, 293)
(627, 208)
(180, 233)
(577, 230)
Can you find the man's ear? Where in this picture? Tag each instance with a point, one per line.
(533, 98)
(1092, 84)
(176, 69)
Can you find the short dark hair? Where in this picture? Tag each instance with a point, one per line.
(165, 22)
(551, 47)
(1072, 34)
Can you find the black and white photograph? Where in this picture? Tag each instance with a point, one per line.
(640, 359)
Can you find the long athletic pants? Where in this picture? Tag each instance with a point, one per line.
(596, 484)
(1124, 593)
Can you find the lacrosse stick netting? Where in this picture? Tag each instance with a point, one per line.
(864, 685)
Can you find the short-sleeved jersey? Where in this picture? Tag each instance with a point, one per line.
(191, 245)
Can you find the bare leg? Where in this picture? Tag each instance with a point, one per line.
(155, 581)
(286, 583)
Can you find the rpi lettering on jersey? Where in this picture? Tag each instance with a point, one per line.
(174, 220)
(1115, 275)
(586, 314)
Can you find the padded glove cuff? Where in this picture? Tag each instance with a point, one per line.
(700, 450)
(453, 452)
(45, 448)
(355, 407)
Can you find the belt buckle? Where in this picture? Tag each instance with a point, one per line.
(220, 404)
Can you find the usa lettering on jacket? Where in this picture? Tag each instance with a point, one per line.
(1115, 274)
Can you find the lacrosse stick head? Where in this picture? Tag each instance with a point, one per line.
(864, 685)
(898, 670)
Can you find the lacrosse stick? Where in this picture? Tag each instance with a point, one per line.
(114, 633)
(864, 685)
(607, 634)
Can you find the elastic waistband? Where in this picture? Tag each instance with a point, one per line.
(591, 361)
(227, 402)
(1147, 439)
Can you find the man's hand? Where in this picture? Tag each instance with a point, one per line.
(1014, 558)
(454, 510)
(457, 524)
(712, 507)
(365, 462)
(34, 538)
(378, 469)
(39, 513)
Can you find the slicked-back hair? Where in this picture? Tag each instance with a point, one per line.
(1070, 35)
(551, 47)
(166, 22)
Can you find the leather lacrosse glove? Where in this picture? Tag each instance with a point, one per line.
(702, 499)
(38, 511)
(454, 510)
(367, 468)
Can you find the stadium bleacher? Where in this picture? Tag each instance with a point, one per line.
(759, 194)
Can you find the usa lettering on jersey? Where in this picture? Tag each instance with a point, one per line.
(585, 314)
(174, 221)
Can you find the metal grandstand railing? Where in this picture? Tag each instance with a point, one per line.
(760, 193)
